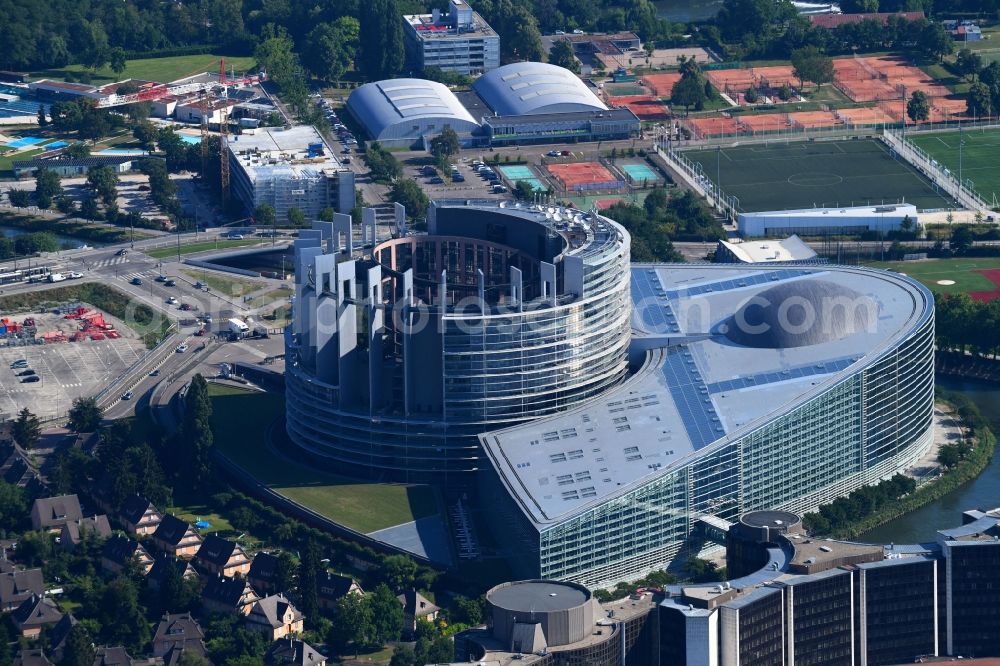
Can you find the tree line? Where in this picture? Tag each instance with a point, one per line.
(859, 503)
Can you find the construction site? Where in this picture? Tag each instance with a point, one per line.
(47, 359)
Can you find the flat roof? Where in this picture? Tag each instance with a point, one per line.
(288, 147)
(848, 211)
(537, 596)
(570, 116)
(699, 387)
(426, 28)
(792, 248)
(821, 551)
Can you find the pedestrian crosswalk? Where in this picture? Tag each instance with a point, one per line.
(142, 275)
(111, 261)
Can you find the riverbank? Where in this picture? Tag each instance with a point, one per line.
(983, 446)
(90, 232)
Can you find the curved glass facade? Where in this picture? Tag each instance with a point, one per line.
(529, 315)
(869, 425)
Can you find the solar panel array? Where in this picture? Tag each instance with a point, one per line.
(649, 297)
(691, 397)
(740, 282)
(822, 368)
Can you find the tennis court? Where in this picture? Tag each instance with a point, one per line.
(662, 84)
(519, 173)
(979, 156)
(645, 107)
(640, 174)
(781, 176)
(582, 176)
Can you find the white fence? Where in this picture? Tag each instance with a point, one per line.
(694, 174)
(934, 170)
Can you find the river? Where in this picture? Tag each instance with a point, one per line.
(686, 11)
(981, 493)
(65, 242)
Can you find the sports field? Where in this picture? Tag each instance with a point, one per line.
(977, 277)
(780, 176)
(979, 156)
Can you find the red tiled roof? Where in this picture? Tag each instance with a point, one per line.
(831, 21)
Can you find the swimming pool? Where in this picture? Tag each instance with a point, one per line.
(122, 151)
(56, 144)
(24, 142)
(638, 173)
(193, 140)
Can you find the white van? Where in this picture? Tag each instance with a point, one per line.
(56, 277)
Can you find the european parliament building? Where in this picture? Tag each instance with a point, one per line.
(602, 412)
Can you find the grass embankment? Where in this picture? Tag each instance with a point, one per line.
(223, 284)
(983, 445)
(192, 248)
(144, 320)
(8, 158)
(163, 70)
(962, 271)
(85, 231)
(240, 422)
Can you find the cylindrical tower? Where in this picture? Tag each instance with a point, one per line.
(502, 313)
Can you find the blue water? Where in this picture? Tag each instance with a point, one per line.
(56, 144)
(190, 139)
(122, 151)
(24, 142)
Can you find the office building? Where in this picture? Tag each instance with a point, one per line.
(289, 168)
(460, 41)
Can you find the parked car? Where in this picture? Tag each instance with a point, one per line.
(137, 281)
(436, 180)
(499, 189)
(26, 373)
(235, 236)
(553, 153)
(20, 363)
(31, 380)
(199, 285)
(171, 301)
(155, 373)
(346, 151)
(185, 306)
(127, 395)
(565, 153)
(73, 275)
(458, 178)
(181, 348)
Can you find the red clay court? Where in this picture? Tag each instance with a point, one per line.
(993, 275)
(579, 176)
(814, 119)
(645, 107)
(704, 128)
(732, 81)
(766, 122)
(661, 85)
(870, 79)
(866, 116)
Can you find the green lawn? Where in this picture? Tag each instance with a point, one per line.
(7, 158)
(223, 284)
(163, 70)
(961, 271)
(191, 248)
(978, 156)
(240, 420)
(784, 175)
(271, 297)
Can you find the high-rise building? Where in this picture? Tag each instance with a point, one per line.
(460, 41)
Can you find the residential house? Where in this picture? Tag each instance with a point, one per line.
(228, 595)
(119, 551)
(18, 586)
(139, 516)
(35, 614)
(51, 513)
(293, 652)
(176, 537)
(221, 557)
(96, 527)
(416, 607)
(178, 632)
(263, 571)
(275, 617)
(112, 656)
(31, 657)
(58, 634)
(161, 567)
(331, 587)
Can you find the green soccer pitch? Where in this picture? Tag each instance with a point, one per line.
(978, 156)
(781, 176)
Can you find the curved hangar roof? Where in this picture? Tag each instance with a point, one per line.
(392, 108)
(523, 88)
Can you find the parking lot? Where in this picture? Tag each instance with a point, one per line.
(67, 370)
